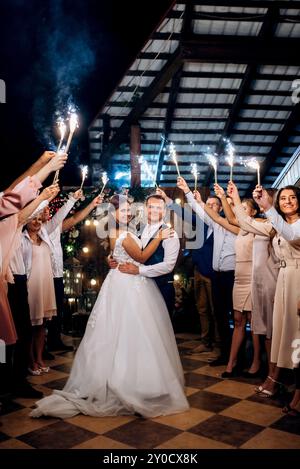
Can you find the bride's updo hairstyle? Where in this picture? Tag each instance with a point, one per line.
(115, 202)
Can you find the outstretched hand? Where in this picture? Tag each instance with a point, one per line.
(50, 192)
(162, 193)
(58, 161)
(98, 200)
(261, 197)
(198, 198)
(78, 194)
(232, 191)
(46, 157)
(219, 191)
(181, 183)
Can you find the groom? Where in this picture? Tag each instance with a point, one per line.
(161, 264)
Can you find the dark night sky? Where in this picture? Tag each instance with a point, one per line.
(55, 49)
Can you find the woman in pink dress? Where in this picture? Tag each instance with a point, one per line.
(11, 202)
(10, 238)
(41, 294)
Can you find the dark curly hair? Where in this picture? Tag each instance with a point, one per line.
(115, 203)
(296, 191)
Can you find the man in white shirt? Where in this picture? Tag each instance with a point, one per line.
(224, 266)
(161, 264)
(202, 258)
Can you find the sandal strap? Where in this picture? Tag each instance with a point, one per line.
(274, 380)
(266, 393)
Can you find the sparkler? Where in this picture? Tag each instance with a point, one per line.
(214, 162)
(230, 156)
(73, 124)
(104, 182)
(84, 171)
(62, 130)
(195, 173)
(254, 164)
(148, 170)
(174, 157)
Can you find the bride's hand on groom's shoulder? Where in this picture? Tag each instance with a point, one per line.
(166, 233)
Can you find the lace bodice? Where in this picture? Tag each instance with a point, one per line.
(119, 253)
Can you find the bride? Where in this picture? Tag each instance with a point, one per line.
(128, 361)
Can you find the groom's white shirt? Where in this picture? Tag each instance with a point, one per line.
(171, 249)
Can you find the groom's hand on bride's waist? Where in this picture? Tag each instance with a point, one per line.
(129, 268)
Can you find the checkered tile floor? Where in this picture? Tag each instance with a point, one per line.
(223, 414)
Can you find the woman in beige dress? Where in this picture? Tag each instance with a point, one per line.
(242, 290)
(285, 218)
(41, 294)
(264, 269)
(242, 281)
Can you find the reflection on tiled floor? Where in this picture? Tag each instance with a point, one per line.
(224, 414)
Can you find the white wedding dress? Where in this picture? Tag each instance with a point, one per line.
(128, 360)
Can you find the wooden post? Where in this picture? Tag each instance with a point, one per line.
(135, 152)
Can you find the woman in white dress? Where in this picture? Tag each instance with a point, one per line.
(285, 219)
(128, 360)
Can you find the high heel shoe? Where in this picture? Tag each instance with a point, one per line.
(279, 389)
(230, 374)
(35, 372)
(44, 369)
(288, 410)
(246, 374)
